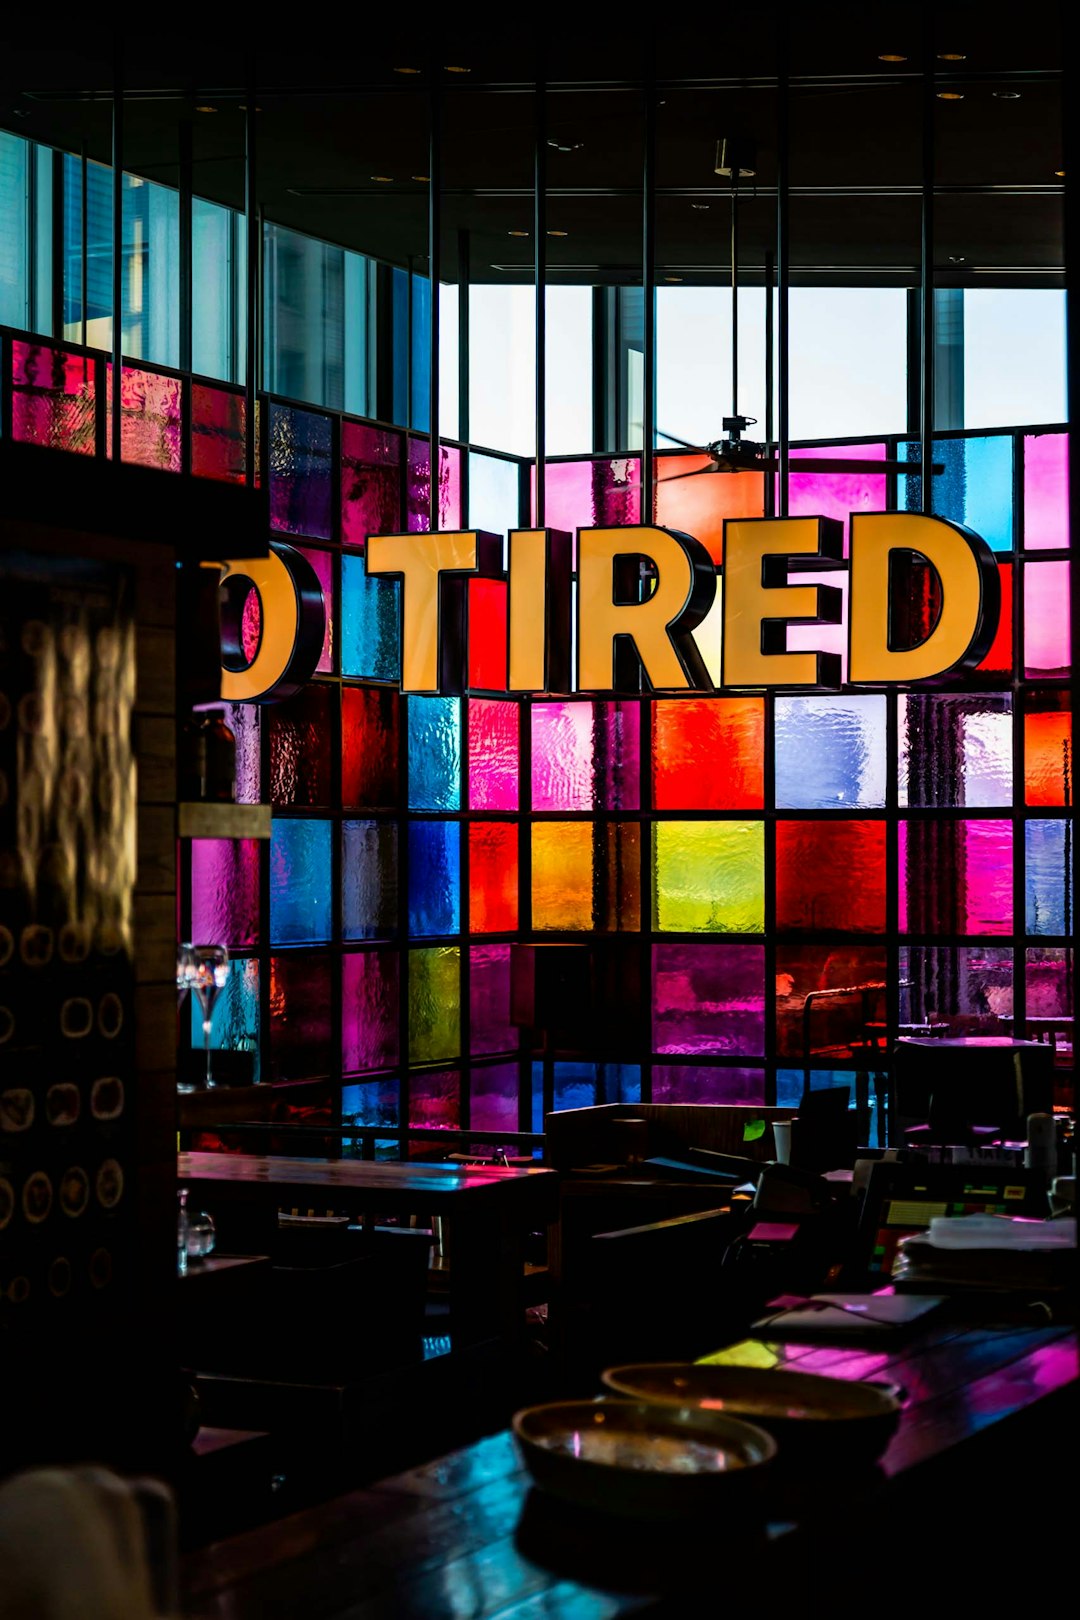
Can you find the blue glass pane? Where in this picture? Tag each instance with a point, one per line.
(368, 879)
(370, 624)
(434, 878)
(434, 753)
(300, 909)
(234, 1026)
(830, 753)
(494, 494)
(789, 1084)
(1047, 878)
(371, 1102)
(585, 1085)
(300, 454)
(976, 487)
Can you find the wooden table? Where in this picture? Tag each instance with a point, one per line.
(466, 1535)
(488, 1210)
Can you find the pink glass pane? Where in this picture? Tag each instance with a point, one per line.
(836, 495)
(1046, 490)
(678, 1083)
(52, 400)
(225, 891)
(369, 1010)
(370, 482)
(493, 1097)
(585, 756)
(709, 998)
(323, 564)
(823, 637)
(150, 418)
(956, 876)
(217, 433)
(1046, 618)
(245, 722)
(435, 1100)
(590, 494)
(418, 487)
(490, 1029)
(493, 755)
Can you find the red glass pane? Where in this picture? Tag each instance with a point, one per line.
(52, 401)
(830, 876)
(837, 1027)
(150, 418)
(300, 1044)
(370, 482)
(1048, 761)
(487, 635)
(217, 433)
(300, 731)
(370, 745)
(999, 660)
(493, 877)
(708, 754)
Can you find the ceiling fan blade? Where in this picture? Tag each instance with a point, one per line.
(834, 464)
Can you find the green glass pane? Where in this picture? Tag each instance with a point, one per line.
(434, 1004)
(709, 877)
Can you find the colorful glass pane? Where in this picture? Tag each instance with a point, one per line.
(830, 1001)
(586, 756)
(299, 473)
(418, 487)
(830, 876)
(435, 1100)
(976, 487)
(1048, 878)
(434, 728)
(151, 417)
(300, 901)
(370, 624)
(217, 433)
(588, 1085)
(488, 631)
(999, 660)
(590, 494)
(434, 1004)
(301, 1043)
(372, 1102)
(369, 1010)
(489, 1001)
(370, 482)
(709, 877)
(323, 564)
(1046, 491)
(830, 752)
(709, 998)
(1050, 986)
(369, 879)
(956, 876)
(791, 1084)
(225, 891)
(370, 747)
(1046, 618)
(300, 733)
(586, 876)
(836, 495)
(493, 1097)
(52, 398)
(244, 720)
(708, 753)
(955, 751)
(493, 755)
(1048, 762)
(235, 1024)
(966, 988)
(434, 878)
(493, 877)
(681, 1083)
(701, 506)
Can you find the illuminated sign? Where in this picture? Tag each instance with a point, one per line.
(642, 592)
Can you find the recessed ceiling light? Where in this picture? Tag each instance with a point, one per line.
(558, 233)
(423, 178)
(673, 278)
(700, 208)
(1060, 173)
(449, 69)
(566, 146)
(957, 258)
(517, 233)
(950, 95)
(206, 109)
(891, 56)
(382, 179)
(1006, 95)
(408, 70)
(952, 56)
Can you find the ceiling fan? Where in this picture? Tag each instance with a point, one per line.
(734, 454)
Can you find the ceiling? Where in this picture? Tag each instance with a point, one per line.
(344, 146)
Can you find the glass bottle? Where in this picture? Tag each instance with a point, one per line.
(182, 1234)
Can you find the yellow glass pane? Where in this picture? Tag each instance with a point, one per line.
(434, 1004)
(709, 877)
(586, 876)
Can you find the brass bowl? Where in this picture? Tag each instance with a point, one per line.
(647, 1461)
(835, 1419)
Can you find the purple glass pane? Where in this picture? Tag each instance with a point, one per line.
(493, 1098)
(150, 418)
(300, 1043)
(490, 1029)
(956, 877)
(418, 487)
(709, 998)
(435, 1100)
(1046, 618)
(300, 448)
(52, 400)
(585, 756)
(225, 891)
(300, 734)
(678, 1083)
(1050, 986)
(217, 433)
(837, 495)
(245, 722)
(369, 1010)
(493, 755)
(967, 988)
(370, 482)
(323, 564)
(590, 494)
(1046, 490)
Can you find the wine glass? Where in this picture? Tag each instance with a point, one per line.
(185, 972)
(207, 976)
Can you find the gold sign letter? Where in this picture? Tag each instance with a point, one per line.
(658, 625)
(433, 569)
(970, 597)
(759, 603)
(539, 612)
(292, 624)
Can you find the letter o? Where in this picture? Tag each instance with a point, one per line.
(293, 625)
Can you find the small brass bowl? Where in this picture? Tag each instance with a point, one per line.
(647, 1461)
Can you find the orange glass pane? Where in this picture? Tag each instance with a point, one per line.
(1048, 762)
(699, 506)
(493, 877)
(586, 876)
(708, 754)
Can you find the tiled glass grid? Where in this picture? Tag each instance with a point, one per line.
(909, 848)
